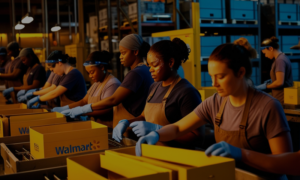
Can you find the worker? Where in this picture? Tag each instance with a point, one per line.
(71, 87)
(51, 83)
(129, 99)
(281, 70)
(16, 70)
(4, 60)
(242, 116)
(104, 86)
(35, 75)
(170, 97)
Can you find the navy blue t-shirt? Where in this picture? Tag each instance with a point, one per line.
(139, 81)
(183, 99)
(38, 73)
(75, 84)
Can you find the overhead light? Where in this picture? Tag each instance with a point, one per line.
(27, 19)
(19, 26)
(55, 28)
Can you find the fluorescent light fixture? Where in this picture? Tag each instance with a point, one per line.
(55, 28)
(19, 26)
(27, 19)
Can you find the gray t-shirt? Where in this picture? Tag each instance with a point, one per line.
(281, 64)
(266, 117)
(54, 79)
(109, 89)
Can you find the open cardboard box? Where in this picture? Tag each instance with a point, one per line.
(111, 166)
(13, 106)
(69, 138)
(21, 111)
(16, 125)
(185, 164)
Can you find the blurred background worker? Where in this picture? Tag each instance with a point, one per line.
(16, 69)
(71, 88)
(281, 71)
(35, 75)
(4, 64)
(105, 85)
(129, 99)
(170, 98)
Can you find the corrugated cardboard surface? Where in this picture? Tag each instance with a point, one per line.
(292, 96)
(70, 138)
(13, 106)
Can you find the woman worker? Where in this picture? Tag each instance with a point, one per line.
(105, 84)
(281, 70)
(72, 86)
(129, 99)
(35, 75)
(241, 116)
(170, 97)
(51, 83)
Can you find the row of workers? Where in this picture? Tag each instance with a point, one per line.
(173, 113)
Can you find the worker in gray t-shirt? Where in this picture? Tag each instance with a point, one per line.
(281, 71)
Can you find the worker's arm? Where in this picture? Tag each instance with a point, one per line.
(82, 102)
(278, 82)
(47, 84)
(53, 94)
(11, 76)
(139, 118)
(100, 112)
(281, 143)
(36, 84)
(120, 94)
(286, 163)
(180, 128)
(45, 90)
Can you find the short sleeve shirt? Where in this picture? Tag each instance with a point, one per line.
(183, 99)
(138, 80)
(38, 73)
(17, 64)
(266, 117)
(75, 84)
(54, 79)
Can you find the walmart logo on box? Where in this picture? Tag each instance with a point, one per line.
(75, 149)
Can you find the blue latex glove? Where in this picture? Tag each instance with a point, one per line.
(152, 138)
(83, 118)
(142, 128)
(29, 93)
(60, 109)
(225, 150)
(120, 129)
(6, 92)
(262, 86)
(78, 111)
(22, 99)
(268, 81)
(31, 102)
(21, 93)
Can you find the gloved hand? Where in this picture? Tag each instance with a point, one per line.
(142, 128)
(6, 92)
(120, 129)
(60, 109)
(225, 150)
(152, 138)
(29, 93)
(268, 81)
(21, 93)
(22, 99)
(83, 118)
(262, 86)
(78, 111)
(31, 102)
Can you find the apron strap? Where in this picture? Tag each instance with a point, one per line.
(108, 77)
(218, 119)
(170, 90)
(153, 91)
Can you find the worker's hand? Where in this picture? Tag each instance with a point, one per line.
(78, 111)
(120, 129)
(261, 87)
(268, 81)
(142, 128)
(151, 138)
(6, 92)
(21, 93)
(22, 99)
(31, 103)
(29, 93)
(60, 109)
(225, 150)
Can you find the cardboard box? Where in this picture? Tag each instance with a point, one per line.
(21, 111)
(16, 165)
(13, 106)
(296, 84)
(207, 92)
(190, 165)
(93, 166)
(16, 125)
(292, 96)
(70, 138)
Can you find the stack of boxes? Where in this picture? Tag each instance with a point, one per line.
(243, 10)
(292, 95)
(212, 9)
(286, 42)
(288, 13)
(103, 18)
(115, 44)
